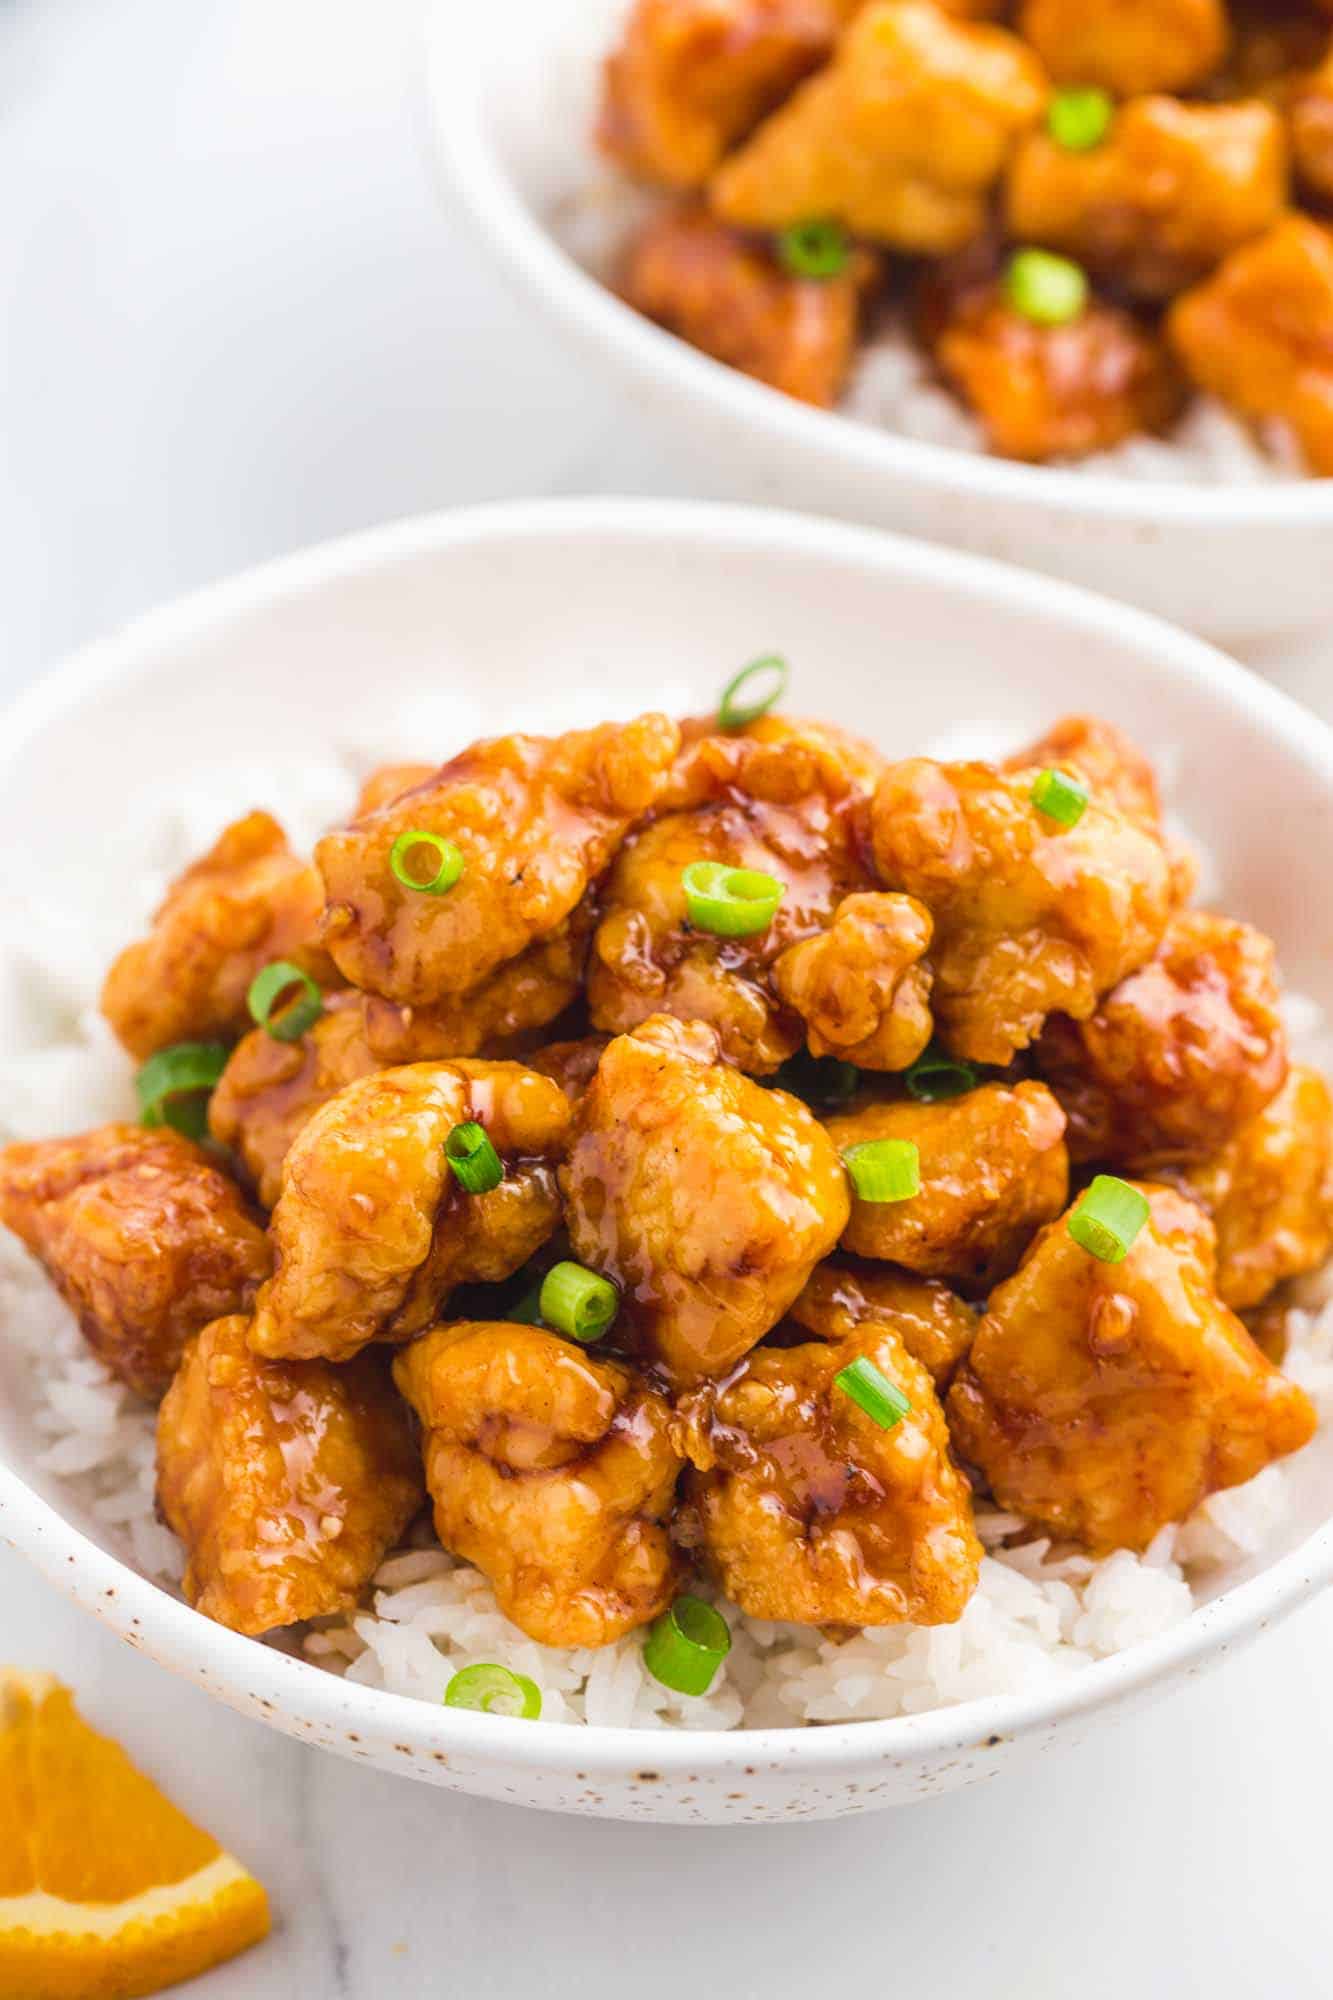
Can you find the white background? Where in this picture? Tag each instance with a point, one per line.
(236, 319)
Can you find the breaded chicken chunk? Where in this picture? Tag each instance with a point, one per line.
(862, 987)
(1031, 917)
(287, 1481)
(552, 1471)
(1103, 1400)
(1109, 763)
(1127, 46)
(993, 1170)
(1308, 101)
(142, 1234)
(249, 900)
(572, 1065)
(388, 782)
(933, 1323)
(900, 138)
(536, 819)
(707, 1199)
(1179, 1055)
(372, 1229)
(804, 1509)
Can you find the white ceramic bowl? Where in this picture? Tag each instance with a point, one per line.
(511, 87)
(575, 608)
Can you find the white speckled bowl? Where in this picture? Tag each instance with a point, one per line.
(579, 607)
(511, 86)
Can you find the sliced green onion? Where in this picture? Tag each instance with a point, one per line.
(883, 1401)
(577, 1302)
(814, 249)
(935, 1077)
(1080, 119)
(1046, 289)
(686, 1646)
(1108, 1218)
(448, 862)
(173, 1086)
(1060, 797)
(820, 1081)
(735, 714)
(495, 1691)
(884, 1169)
(476, 1165)
(267, 988)
(730, 902)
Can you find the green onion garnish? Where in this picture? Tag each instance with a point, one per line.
(1108, 1218)
(448, 862)
(815, 249)
(267, 988)
(686, 1646)
(577, 1302)
(495, 1691)
(730, 902)
(173, 1086)
(884, 1169)
(735, 714)
(476, 1165)
(934, 1077)
(820, 1081)
(1079, 119)
(1060, 797)
(883, 1401)
(1046, 289)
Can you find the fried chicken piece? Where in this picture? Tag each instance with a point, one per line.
(1269, 1192)
(572, 1065)
(536, 820)
(1127, 46)
(1031, 918)
(143, 1236)
(1308, 101)
(249, 900)
(1259, 333)
(993, 1170)
(372, 1230)
(551, 1471)
(728, 295)
(806, 1510)
(707, 1199)
(1167, 194)
(1179, 1055)
(388, 782)
(788, 804)
(861, 987)
(1103, 1400)
(933, 1323)
(690, 78)
(287, 1481)
(900, 138)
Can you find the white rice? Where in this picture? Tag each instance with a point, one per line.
(1039, 1612)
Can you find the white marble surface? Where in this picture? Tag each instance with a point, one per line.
(236, 321)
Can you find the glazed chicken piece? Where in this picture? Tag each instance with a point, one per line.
(535, 818)
(1167, 194)
(1269, 1192)
(143, 1236)
(1031, 918)
(805, 1509)
(861, 987)
(1102, 1401)
(372, 1230)
(993, 1170)
(552, 1471)
(729, 295)
(790, 805)
(287, 1481)
(1308, 101)
(1179, 1055)
(572, 1065)
(707, 1199)
(1259, 333)
(249, 900)
(692, 77)
(933, 1323)
(388, 782)
(1127, 46)
(900, 138)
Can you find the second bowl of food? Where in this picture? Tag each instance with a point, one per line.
(1053, 282)
(649, 1229)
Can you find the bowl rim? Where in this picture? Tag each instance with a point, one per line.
(304, 1699)
(455, 98)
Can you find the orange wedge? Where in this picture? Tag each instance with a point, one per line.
(106, 1890)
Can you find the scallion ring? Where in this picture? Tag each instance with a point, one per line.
(1108, 1218)
(173, 1086)
(686, 1646)
(268, 987)
(1048, 290)
(770, 668)
(1060, 797)
(476, 1165)
(816, 249)
(883, 1401)
(577, 1302)
(935, 1077)
(448, 862)
(883, 1170)
(730, 902)
(494, 1691)
(1080, 118)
